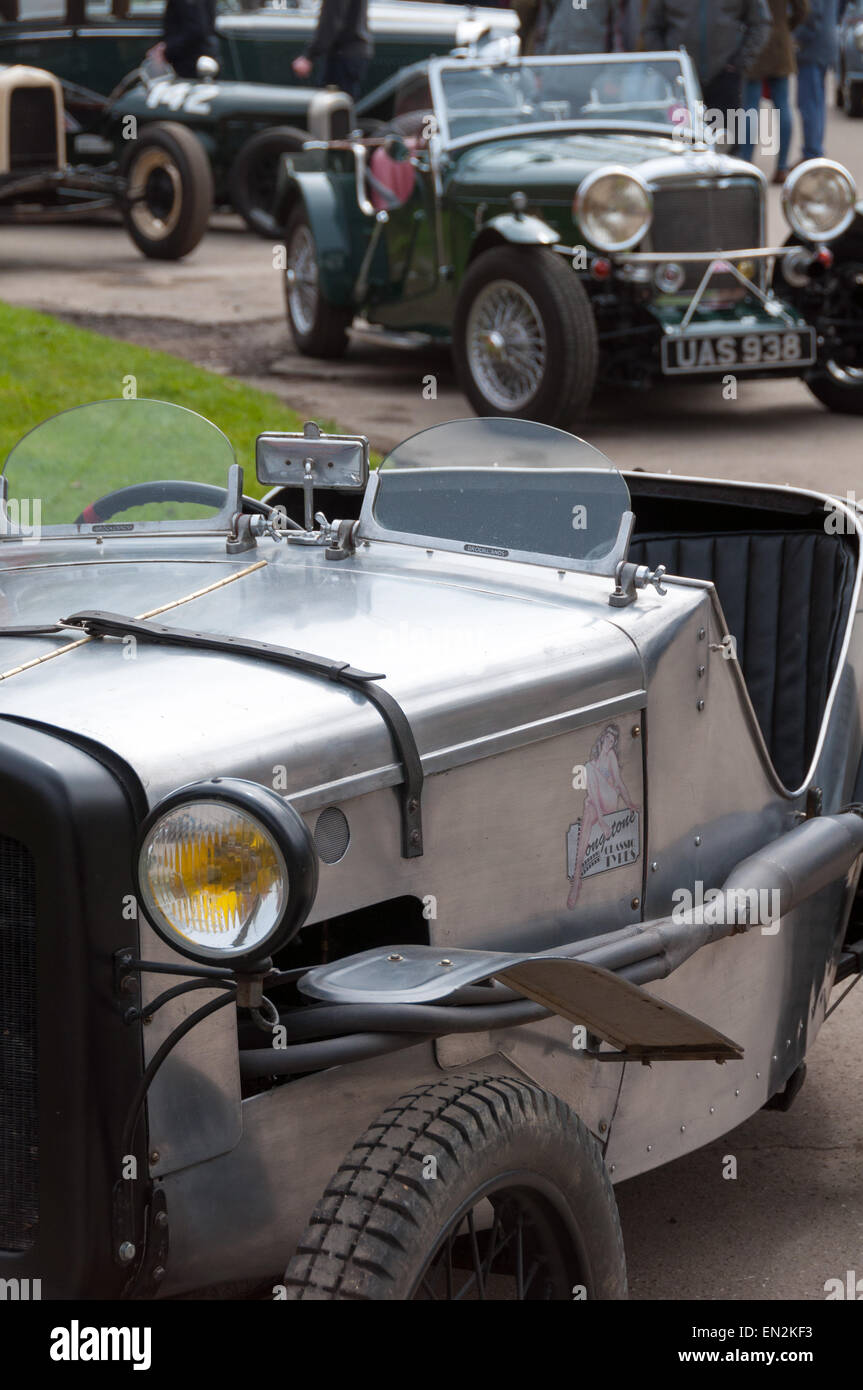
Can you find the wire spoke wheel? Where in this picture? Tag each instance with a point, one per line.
(318, 326)
(510, 1246)
(302, 279)
(506, 344)
(524, 336)
(468, 1189)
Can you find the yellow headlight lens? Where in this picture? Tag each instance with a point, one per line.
(211, 873)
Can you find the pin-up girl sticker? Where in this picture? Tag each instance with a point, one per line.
(606, 836)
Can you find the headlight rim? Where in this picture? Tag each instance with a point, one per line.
(605, 171)
(292, 838)
(788, 191)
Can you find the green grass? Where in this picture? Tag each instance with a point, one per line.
(47, 366)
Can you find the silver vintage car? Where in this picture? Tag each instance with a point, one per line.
(362, 844)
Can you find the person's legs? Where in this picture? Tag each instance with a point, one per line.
(811, 103)
(751, 106)
(344, 72)
(724, 93)
(779, 97)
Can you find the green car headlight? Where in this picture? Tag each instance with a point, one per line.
(818, 199)
(613, 208)
(226, 871)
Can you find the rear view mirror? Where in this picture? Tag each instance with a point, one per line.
(324, 460)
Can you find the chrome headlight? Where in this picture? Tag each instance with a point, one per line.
(613, 208)
(818, 199)
(226, 870)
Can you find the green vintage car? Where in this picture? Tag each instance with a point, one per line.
(246, 113)
(566, 221)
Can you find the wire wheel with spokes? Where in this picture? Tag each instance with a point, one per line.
(471, 1188)
(506, 345)
(513, 1245)
(524, 336)
(319, 329)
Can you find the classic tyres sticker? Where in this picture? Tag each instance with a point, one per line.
(608, 834)
(611, 850)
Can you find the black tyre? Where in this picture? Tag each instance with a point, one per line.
(169, 191)
(840, 388)
(472, 1187)
(319, 329)
(838, 382)
(853, 93)
(252, 182)
(524, 337)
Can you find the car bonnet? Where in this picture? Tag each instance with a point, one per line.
(482, 655)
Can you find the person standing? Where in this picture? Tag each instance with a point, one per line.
(772, 69)
(188, 33)
(817, 45)
(589, 28)
(723, 38)
(343, 44)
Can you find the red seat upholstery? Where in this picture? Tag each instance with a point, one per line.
(391, 177)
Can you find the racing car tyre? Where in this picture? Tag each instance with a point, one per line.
(483, 1187)
(524, 337)
(167, 166)
(252, 182)
(319, 329)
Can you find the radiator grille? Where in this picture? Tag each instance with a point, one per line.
(707, 218)
(19, 1135)
(32, 128)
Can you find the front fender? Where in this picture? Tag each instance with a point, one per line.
(340, 236)
(514, 229)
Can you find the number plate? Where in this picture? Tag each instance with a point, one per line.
(758, 351)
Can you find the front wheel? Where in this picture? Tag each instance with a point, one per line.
(169, 191)
(840, 387)
(254, 174)
(472, 1188)
(524, 337)
(319, 329)
(838, 381)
